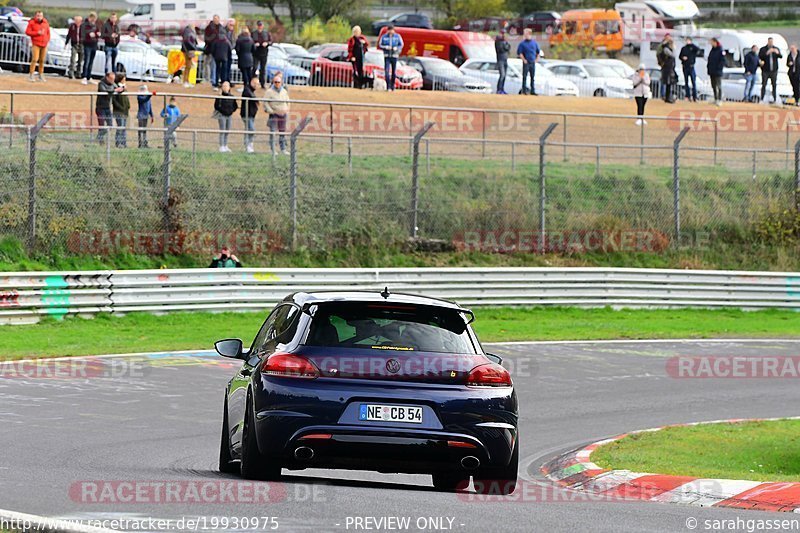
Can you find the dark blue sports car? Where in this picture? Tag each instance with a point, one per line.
(370, 381)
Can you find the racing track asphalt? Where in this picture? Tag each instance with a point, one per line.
(164, 425)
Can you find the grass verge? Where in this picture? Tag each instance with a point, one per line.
(758, 451)
(185, 331)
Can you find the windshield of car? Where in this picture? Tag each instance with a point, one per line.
(294, 49)
(480, 51)
(442, 68)
(389, 326)
(601, 71)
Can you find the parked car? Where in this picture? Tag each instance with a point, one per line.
(294, 54)
(545, 82)
(539, 21)
(487, 25)
(404, 20)
(15, 47)
(440, 75)
(369, 381)
(592, 79)
(332, 68)
(139, 60)
(733, 83)
(13, 11)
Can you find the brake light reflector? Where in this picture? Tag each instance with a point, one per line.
(316, 436)
(287, 365)
(489, 375)
(460, 444)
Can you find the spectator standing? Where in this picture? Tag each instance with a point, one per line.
(76, 48)
(244, 52)
(502, 48)
(716, 64)
(392, 45)
(357, 46)
(277, 105)
(248, 112)
(230, 29)
(224, 108)
(210, 35)
(189, 49)
(641, 92)
(222, 51)
(793, 64)
(106, 89)
(666, 60)
(750, 69)
(688, 55)
(89, 36)
(39, 31)
(170, 115)
(263, 40)
(110, 34)
(769, 56)
(121, 106)
(528, 50)
(144, 114)
(225, 259)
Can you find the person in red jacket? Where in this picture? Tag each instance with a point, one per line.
(356, 49)
(39, 31)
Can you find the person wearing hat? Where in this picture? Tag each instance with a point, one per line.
(641, 92)
(262, 40)
(502, 48)
(144, 114)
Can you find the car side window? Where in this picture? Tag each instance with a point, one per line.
(283, 328)
(261, 336)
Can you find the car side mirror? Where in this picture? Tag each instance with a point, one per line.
(229, 348)
(495, 358)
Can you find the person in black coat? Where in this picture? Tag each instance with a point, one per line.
(224, 108)
(716, 64)
(248, 111)
(750, 69)
(223, 47)
(263, 40)
(667, 63)
(245, 47)
(769, 56)
(793, 63)
(688, 56)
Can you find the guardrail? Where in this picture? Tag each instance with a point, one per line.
(27, 296)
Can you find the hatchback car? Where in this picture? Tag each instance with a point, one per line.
(370, 381)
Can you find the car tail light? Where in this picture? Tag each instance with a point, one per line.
(317, 436)
(287, 365)
(489, 375)
(460, 444)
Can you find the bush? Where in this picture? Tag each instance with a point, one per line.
(779, 227)
(314, 31)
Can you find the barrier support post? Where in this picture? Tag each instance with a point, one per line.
(414, 229)
(676, 183)
(542, 186)
(293, 176)
(33, 134)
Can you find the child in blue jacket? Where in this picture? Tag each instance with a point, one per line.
(170, 115)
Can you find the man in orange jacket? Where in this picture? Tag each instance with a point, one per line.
(39, 31)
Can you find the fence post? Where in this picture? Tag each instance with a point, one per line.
(641, 142)
(11, 123)
(350, 155)
(330, 108)
(513, 157)
(754, 164)
(414, 229)
(788, 124)
(564, 137)
(542, 188)
(428, 157)
(33, 133)
(483, 134)
(597, 161)
(676, 184)
(797, 176)
(716, 138)
(293, 176)
(167, 168)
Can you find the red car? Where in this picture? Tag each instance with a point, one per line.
(332, 69)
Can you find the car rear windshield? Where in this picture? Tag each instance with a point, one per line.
(390, 327)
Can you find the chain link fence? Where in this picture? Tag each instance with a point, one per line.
(95, 190)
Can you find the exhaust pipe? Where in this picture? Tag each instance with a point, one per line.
(303, 453)
(470, 462)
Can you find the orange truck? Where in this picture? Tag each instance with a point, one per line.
(599, 28)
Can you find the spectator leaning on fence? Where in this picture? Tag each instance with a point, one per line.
(750, 72)
(392, 45)
(715, 66)
(769, 56)
(121, 105)
(641, 92)
(39, 31)
(248, 111)
(244, 53)
(528, 50)
(89, 37)
(110, 34)
(263, 40)
(103, 107)
(357, 46)
(189, 49)
(277, 105)
(170, 115)
(209, 63)
(793, 64)
(144, 114)
(688, 55)
(224, 108)
(502, 48)
(76, 48)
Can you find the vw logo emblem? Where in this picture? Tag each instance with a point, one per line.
(393, 366)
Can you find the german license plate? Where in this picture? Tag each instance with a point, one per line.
(390, 413)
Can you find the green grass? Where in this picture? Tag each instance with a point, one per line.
(755, 25)
(186, 331)
(758, 451)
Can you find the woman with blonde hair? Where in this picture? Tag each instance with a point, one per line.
(356, 49)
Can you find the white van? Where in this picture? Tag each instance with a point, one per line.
(652, 19)
(165, 17)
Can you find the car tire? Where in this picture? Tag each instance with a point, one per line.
(450, 481)
(500, 480)
(599, 93)
(254, 465)
(226, 464)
